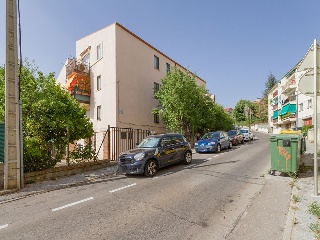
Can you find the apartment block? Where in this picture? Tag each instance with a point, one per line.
(288, 108)
(114, 75)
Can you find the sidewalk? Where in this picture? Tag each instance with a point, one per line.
(303, 194)
(46, 186)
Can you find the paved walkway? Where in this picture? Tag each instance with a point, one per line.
(303, 194)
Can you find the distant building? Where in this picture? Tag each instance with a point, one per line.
(114, 75)
(228, 110)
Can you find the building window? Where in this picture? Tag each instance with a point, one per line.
(156, 87)
(99, 83)
(156, 118)
(155, 62)
(309, 103)
(99, 113)
(168, 67)
(86, 60)
(99, 52)
(300, 107)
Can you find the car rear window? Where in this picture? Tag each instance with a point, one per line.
(244, 131)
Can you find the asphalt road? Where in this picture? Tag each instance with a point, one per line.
(208, 199)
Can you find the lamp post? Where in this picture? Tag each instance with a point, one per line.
(309, 86)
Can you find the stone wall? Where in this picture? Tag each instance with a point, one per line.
(61, 171)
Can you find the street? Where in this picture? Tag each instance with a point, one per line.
(204, 200)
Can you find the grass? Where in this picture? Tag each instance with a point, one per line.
(294, 178)
(296, 198)
(314, 208)
(315, 227)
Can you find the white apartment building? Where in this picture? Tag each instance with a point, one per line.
(288, 108)
(115, 74)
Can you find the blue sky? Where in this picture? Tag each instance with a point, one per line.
(232, 44)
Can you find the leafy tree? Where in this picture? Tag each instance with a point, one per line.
(260, 114)
(269, 84)
(239, 112)
(51, 118)
(186, 107)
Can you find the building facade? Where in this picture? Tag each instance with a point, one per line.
(288, 108)
(114, 75)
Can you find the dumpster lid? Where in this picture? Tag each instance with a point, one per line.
(289, 131)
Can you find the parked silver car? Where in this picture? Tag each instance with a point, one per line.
(247, 134)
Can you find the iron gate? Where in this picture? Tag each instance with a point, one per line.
(117, 140)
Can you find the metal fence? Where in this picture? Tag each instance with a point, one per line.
(117, 140)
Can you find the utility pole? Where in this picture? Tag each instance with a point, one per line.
(12, 159)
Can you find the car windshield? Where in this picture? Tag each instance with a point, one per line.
(232, 132)
(244, 130)
(211, 135)
(150, 142)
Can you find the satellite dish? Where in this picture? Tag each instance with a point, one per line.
(306, 84)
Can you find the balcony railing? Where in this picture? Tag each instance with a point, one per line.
(75, 65)
(290, 84)
(290, 99)
(288, 116)
(78, 80)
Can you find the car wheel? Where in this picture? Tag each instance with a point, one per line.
(218, 148)
(151, 168)
(230, 145)
(187, 158)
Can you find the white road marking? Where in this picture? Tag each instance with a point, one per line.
(115, 190)
(71, 204)
(216, 156)
(4, 226)
(208, 158)
(189, 166)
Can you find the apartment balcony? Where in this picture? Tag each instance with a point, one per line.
(291, 99)
(288, 113)
(78, 81)
(289, 87)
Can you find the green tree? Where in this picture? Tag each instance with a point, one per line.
(186, 107)
(51, 118)
(260, 114)
(240, 112)
(269, 84)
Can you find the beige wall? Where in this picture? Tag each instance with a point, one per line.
(136, 76)
(105, 66)
(127, 78)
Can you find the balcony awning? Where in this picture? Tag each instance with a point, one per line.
(289, 108)
(275, 114)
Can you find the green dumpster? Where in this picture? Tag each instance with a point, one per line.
(285, 152)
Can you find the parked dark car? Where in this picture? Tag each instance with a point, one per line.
(236, 137)
(213, 142)
(154, 152)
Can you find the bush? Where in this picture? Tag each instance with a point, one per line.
(83, 153)
(305, 129)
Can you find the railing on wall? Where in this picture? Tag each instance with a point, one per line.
(117, 140)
